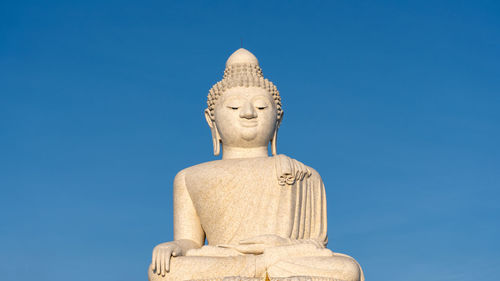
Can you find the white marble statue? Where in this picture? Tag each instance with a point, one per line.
(262, 216)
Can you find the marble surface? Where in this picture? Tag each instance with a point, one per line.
(262, 216)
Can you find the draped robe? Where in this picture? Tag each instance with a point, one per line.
(242, 198)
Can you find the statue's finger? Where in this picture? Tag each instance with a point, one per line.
(242, 249)
(164, 265)
(167, 261)
(251, 248)
(157, 263)
(162, 262)
(153, 260)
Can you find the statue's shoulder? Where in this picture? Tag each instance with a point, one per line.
(213, 166)
(197, 169)
(311, 169)
(208, 170)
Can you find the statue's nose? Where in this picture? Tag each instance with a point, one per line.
(248, 111)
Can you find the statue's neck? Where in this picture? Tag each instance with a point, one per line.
(229, 152)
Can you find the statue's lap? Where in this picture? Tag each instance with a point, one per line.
(335, 267)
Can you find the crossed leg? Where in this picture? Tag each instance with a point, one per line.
(338, 267)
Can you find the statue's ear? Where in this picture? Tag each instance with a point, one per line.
(215, 134)
(280, 118)
(208, 117)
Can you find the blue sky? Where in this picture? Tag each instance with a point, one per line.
(395, 103)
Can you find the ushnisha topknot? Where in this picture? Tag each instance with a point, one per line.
(242, 70)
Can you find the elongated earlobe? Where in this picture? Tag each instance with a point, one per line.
(216, 140)
(274, 140)
(215, 133)
(274, 149)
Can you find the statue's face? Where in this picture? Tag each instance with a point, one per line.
(246, 117)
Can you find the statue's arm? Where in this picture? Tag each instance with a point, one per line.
(187, 226)
(188, 233)
(257, 244)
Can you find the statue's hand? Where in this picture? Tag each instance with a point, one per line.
(256, 245)
(267, 239)
(162, 254)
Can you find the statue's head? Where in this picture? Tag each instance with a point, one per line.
(244, 109)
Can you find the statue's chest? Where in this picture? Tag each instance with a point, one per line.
(233, 186)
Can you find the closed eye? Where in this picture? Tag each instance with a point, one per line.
(233, 107)
(261, 107)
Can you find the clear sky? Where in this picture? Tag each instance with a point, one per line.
(395, 103)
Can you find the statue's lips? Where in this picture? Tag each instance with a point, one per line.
(249, 123)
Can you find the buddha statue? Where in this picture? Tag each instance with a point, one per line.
(262, 216)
